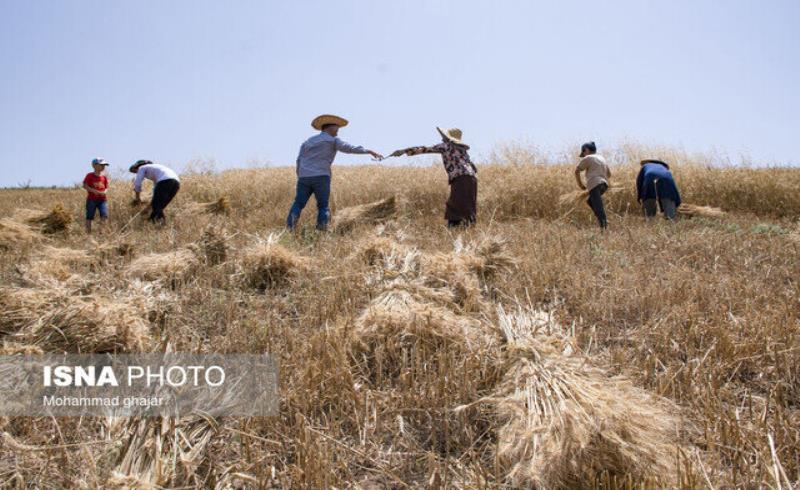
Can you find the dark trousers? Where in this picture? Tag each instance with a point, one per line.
(318, 186)
(595, 202)
(461, 208)
(163, 193)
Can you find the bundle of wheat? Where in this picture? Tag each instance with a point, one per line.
(57, 263)
(566, 422)
(455, 272)
(220, 206)
(267, 264)
(365, 214)
(376, 250)
(466, 268)
(115, 249)
(58, 321)
(163, 452)
(214, 245)
(176, 266)
(57, 219)
(691, 210)
(577, 197)
(486, 257)
(14, 234)
(398, 328)
(13, 348)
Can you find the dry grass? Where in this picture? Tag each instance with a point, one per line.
(365, 214)
(267, 264)
(14, 234)
(567, 421)
(54, 221)
(221, 206)
(692, 210)
(57, 321)
(394, 368)
(176, 266)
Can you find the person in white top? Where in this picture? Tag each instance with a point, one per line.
(166, 187)
(597, 177)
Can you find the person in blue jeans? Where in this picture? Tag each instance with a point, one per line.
(656, 185)
(314, 168)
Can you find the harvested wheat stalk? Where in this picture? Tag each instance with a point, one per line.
(365, 214)
(576, 197)
(220, 206)
(691, 210)
(57, 263)
(214, 245)
(58, 321)
(13, 348)
(178, 265)
(163, 452)
(565, 422)
(57, 219)
(399, 325)
(268, 264)
(14, 234)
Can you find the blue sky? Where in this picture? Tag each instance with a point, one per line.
(239, 81)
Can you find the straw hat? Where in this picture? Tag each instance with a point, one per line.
(453, 135)
(324, 119)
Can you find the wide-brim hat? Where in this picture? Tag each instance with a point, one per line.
(324, 119)
(453, 135)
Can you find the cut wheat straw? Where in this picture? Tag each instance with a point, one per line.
(399, 327)
(576, 197)
(48, 222)
(566, 422)
(176, 266)
(59, 321)
(365, 214)
(14, 234)
(57, 264)
(691, 210)
(214, 245)
(163, 452)
(267, 264)
(220, 206)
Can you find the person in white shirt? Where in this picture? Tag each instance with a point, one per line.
(597, 176)
(166, 187)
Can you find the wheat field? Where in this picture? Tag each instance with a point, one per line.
(531, 351)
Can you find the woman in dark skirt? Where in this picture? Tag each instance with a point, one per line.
(462, 205)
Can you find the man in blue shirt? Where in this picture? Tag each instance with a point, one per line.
(314, 168)
(655, 183)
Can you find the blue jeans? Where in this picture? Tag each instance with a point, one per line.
(320, 187)
(92, 207)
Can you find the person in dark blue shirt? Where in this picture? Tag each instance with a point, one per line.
(656, 184)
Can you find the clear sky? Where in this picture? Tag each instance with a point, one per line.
(239, 81)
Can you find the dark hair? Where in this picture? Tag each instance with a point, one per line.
(326, 126)
(135, 167)
(589, 146)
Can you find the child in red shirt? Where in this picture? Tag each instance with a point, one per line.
(96, 184)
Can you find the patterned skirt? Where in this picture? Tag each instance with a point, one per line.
(463, 202)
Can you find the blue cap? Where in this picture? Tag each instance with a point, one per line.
(100, 161)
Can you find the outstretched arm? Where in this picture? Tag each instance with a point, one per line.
(346, 147)
(419, 150)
